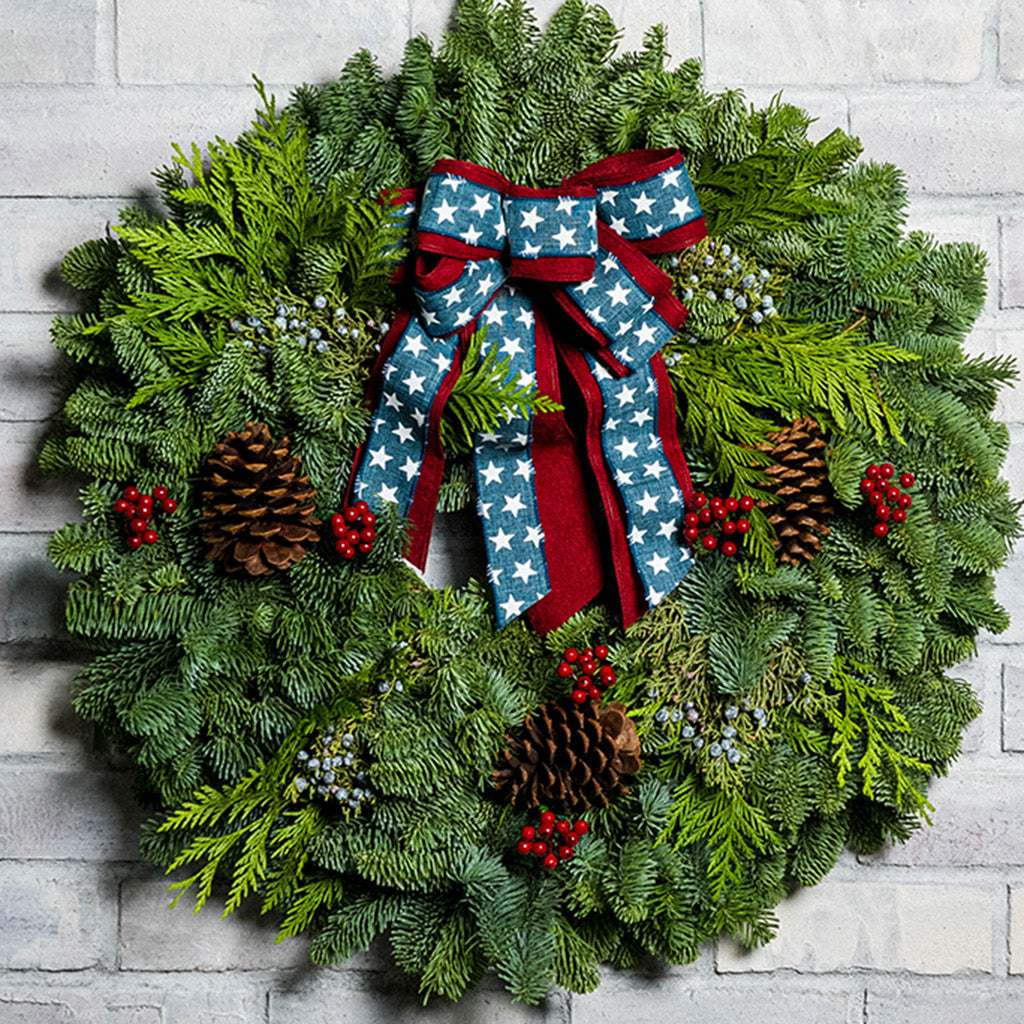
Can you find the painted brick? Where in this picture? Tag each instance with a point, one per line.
(954, 222)
(984, 673)
(1016, 929)
(1011, 254)
(56, 916)
(38, 717)
(107, 141)
(156, 938)
(79, 1007)
(176, 41)
(928, 929)
(1009, 587)
(347, 998)
(48, 41)
(819, 41)
(1000, 1004)
(1013, 702)
(682, 21)
(629, 997)
(978, 819)
(31, 589)
(29, 500)
(67, 815)
(1011, 41)
(28, 371)
(947, 142)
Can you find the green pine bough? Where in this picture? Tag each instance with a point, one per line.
(784, 711)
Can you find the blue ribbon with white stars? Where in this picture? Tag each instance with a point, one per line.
(475, 233)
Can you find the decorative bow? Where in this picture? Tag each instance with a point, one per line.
(560, 279)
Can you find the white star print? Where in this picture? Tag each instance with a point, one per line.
(419, 417)
(503, 540)
(429, 317)
(525, 318)
(659, 563)
(481, 203)
(403, 433)
(611, 424)
(494, 574)
(524, 570)
(524, 380)
(463, 317)
(495, 315)
(414, 382)
(623, 478)
(681, 208)
(640, 417)
(389, 494)
(453, 295)
(654, 469)
(442, 362)
(610, 264)
(485, 285)
(511, 607)
(500, 230)
(624, 325)
(380, 457)
(511, 347)
(531, 219)
(470, 236)
(626, 395)
(483, 508)
(586, 287)
(654, 229)
(530, 250)
(654, 596)
(626, 449)
(446, 212)
(644, 334)
(618, 225)
(410, 469)
(595, 315)
(414, 345)
(648, 503)
(618, 294)
(667, 529)
(492, 473)
(642, 203)
(653, 443)
(513, 504)
(452, 183)
(565, 204)
(488, 438)
(608, 196)
(566, 236)
(392, 401)
(636, 535)
(671, 178)
(523, 468)
(534, 535)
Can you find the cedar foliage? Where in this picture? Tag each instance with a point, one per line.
(827, 679)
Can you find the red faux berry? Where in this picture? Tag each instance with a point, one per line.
(138, 526)
(131, 494)
(588, 653)
(728, 527)
(160, 492)
(134, 541)
(170, 505)
(715, 502)
(746, 503)
(345, 549)
(369, 534)
(121, 505)
(719, 512)
(565, 853)
(892, 494)
(353, 537)
(365, 548)
(594, 692)
(876, 497)
(691, 519)
(368, 519)
(699, 500)
(708, 543)
(906, 501)
(565, 670)
(705, 516)
(337, 522)
(579, 696)
(548, 817)
(691, 533)
(145, 499)
(600, 652)
(525, 846)
(351, 515)
(540, 848)
(581, 828)
(607, 675)
(562, 827)
(881, 529)
(867, 485)
(144, 511)
(882, 511)
(731, 504)
(908, 480)
(571, 654)
(571, 839)
(728, 548)
(743, 526)
(550, 862)
(899, 515)
(589, 666)
(873, 472)
(361, 507)
(887, 469)
(528, 832)
(149, 537)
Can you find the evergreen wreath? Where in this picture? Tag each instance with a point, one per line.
(315, 726)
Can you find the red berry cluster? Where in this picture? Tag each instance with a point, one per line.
(890, 502)
(588, 673)
(138, 510)
(553, 840)
(707, 513)
(355, 530)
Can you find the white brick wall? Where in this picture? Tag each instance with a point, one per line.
(93, 93)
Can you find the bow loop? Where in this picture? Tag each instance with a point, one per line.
(552, 232)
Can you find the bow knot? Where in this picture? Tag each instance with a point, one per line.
(580, 248)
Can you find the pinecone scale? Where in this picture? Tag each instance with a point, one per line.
(258, 506)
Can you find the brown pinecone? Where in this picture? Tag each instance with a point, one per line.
(802, 502)
(257, 506)
(569, 756)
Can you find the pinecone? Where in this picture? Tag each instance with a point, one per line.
(569, 756)
(802, 502)
(258, 507)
